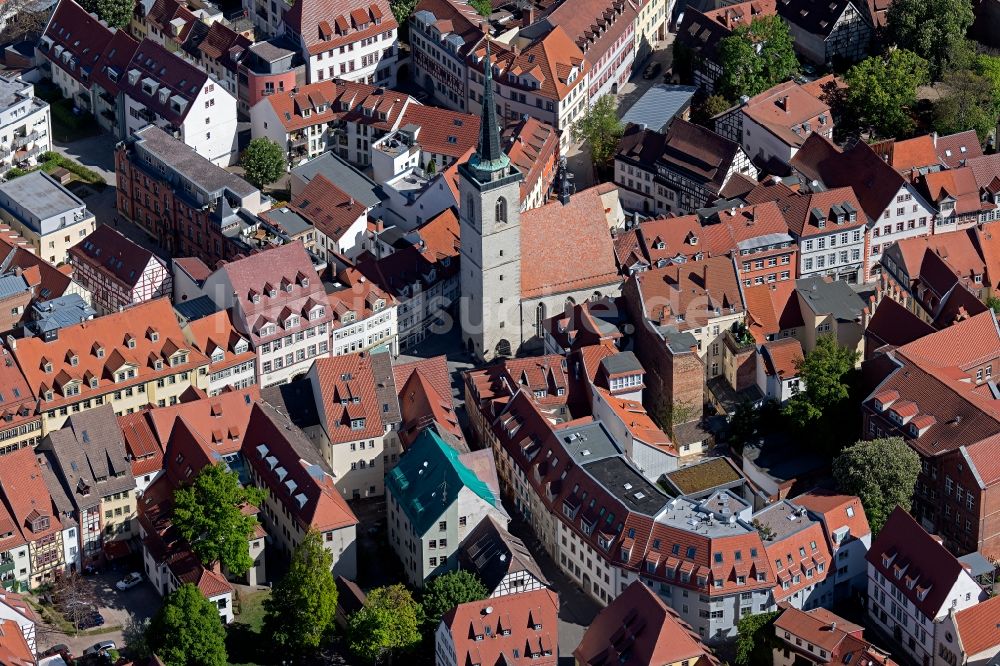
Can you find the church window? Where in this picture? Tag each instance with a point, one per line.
(501, 215)
(470, 203)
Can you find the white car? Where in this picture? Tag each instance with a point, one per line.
(97, 648)
(129, 581)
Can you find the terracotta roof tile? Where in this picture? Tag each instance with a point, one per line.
(654, 633)
(789, 112)
(101, 348)
(26, 496)
(548, 60)
(78, 40)
(688, 295)
(978, 627)
(108, 252)
(171, 73)
(347, 391)
(985, 455)
(442, 131)
(310, 20)
(488, 631)
(332, 94)
(783, 357)
(955, 149)
(555, 235)
(837, 511)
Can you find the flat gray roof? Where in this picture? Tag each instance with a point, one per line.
(659, 105)
(588, 442)
(184, 160)
(41, 195)
(9, 89)
(291, 222)
(626, 483)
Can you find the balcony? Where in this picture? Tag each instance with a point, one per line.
(146, 114)
(108, 97)
(6, 566)
(21, 141)
(298, 140)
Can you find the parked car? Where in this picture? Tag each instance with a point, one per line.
(59, 648)
(97, 648)
(652, 69)
(129, 581)
(91, 620)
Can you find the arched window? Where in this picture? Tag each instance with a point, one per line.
(501, 216)
(470, 204)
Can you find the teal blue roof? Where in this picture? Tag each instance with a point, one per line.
(429, 477)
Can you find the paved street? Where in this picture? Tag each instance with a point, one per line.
(576, 609)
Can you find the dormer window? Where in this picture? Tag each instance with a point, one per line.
(158, 364)
(130, 342)
(93, 382)
(154, 336)
(74, 360)
(272, 292)
(40, 524)
(357, 424)
(255, 298)
(305, 282)
(47, 367)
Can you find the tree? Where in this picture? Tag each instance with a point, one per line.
(263, 161)
(824, 371)
(933, 29)
(208, 515)
(969, 103)
(710, 107)
(601, 128)
(483, 7)
(881, 90)
(135, 634)
(187, 632)
(449, 590)
(300, 610)
(388, 622)
(753, 644)
(117, 13)
(401, 10)
(993, 303)
(432, 167)
(882, 472)
(756, 57)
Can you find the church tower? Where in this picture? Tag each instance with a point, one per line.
(490, 212)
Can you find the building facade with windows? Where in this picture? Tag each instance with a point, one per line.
(278, 302)
(46, 214)
(435, 497)
(25, 125)
(126, 360)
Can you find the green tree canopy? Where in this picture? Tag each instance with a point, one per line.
(757, 56)
(208, 515)
(933, 29)
(753, 644)
(969, 103)
(882, 89)
(117, 13)
(882, 472)
(301, 608)
(187, 630)
(824, 371)
(402, 10)
(449, 590)
(601, 128)
(389, 622)
(483, 7)
(263, 161)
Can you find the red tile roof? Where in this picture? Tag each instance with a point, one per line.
(217, 332)
(425, 398)
(903, 545)
(347, 393)
(638, 629)
(688, 295)
(638, 422)
(789, 112)
(162, 14)
(78, 40)
(324, 25)
(172, 73)
(837, 511)
(305, 490)
(14, 648)
(328, 208)
(288, 273)
(908, 154)
(979, 627)
(783, 357)
(533, 146)
(142, 445)
(985, 455)
(490, 631)
(800, 208)
(958, 184)
(874, 182)
(26, 496)
(385, 107)
(955, 149)
(555, 235)
(101, 348)
(549, 60)
(54, 282)
(772, 308)
(354, 298)
(799, 548)
(442, 131)
(109, 253)
(114, 60)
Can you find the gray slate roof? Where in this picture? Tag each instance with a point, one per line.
(343, 175)
(184, 160)
(835, 298)
(90, 452)
(492, 552)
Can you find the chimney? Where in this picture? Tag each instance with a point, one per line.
(529, 16)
